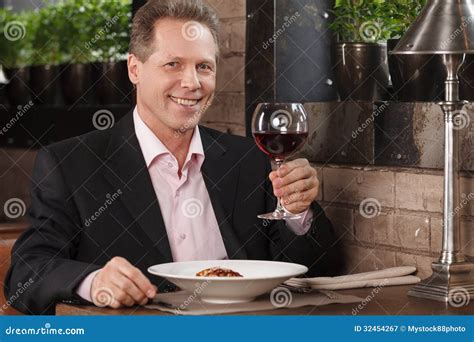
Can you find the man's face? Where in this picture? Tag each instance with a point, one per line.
(176, 84)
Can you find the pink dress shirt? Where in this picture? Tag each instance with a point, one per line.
(191, 225)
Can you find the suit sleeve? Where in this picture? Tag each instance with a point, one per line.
(318, 249)
(43, 256)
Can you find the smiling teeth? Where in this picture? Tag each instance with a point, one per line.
(184, 102)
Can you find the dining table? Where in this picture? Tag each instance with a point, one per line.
(389, 300)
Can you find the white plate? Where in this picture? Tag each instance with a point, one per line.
(258, 278)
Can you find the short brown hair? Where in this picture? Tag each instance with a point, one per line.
(143, 26)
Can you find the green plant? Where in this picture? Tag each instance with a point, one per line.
(76, 27)
(112, 31)
(401, 13)
(373, 20)
(15, 38)
(46, 36)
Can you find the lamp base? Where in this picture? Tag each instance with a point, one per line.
(450, 283)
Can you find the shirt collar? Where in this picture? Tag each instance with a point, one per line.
(152, 146)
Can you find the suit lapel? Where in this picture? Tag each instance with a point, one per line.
(127, 171)
(220, 173)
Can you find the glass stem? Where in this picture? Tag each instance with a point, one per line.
(279, 207)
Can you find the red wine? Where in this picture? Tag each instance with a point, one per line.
(279, 145)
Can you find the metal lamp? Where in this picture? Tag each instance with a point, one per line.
(446, 27)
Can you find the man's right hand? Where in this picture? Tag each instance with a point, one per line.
(119, 284)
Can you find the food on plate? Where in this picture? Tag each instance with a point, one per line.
(218, 272)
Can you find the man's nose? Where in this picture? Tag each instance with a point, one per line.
(190, 79)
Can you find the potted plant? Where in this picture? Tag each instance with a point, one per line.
(414, 77)
(44, 72)
(76, 31)
(359, 56)
(110, 45)
(15, 54)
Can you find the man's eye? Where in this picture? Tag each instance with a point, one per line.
(172, 64)
(204, 67)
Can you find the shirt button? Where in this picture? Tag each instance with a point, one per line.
(170, 165)
(182, 236)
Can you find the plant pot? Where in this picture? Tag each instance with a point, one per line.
(466, 78)
(76, 83)
(44, 83)
(416, 77)
(361, 71)
(17, 91)
(112, 85)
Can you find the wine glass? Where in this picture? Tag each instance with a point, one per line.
(279, 129)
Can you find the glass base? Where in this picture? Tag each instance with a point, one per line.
(278, 215)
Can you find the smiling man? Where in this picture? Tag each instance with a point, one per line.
(157, 187)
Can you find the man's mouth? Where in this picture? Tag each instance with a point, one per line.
(185, 102)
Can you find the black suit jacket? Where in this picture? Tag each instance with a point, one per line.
(103, 174)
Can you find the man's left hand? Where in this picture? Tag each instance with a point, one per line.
(297, 185)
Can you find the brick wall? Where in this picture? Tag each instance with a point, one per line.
(228, 111)
(401, 223)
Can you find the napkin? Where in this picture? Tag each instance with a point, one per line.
(386, 277)
(181, 303)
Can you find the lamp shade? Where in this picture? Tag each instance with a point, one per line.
(443, 27)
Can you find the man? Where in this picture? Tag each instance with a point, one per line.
(158, 188)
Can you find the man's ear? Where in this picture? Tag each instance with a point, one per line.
(134, 66)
